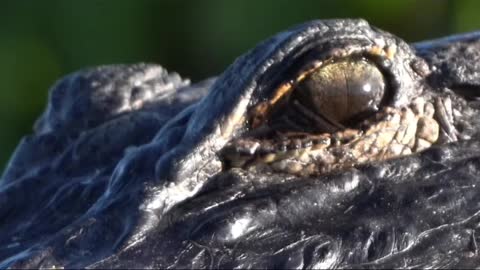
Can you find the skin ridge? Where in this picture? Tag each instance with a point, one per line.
(133, 178)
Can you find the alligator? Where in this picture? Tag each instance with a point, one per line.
(333, 144)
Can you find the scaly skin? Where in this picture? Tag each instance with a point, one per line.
(131, 166)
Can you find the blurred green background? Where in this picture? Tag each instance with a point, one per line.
(40, 41)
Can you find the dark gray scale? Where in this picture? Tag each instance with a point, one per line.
(295, 144)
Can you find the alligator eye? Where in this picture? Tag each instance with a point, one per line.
(340, 93)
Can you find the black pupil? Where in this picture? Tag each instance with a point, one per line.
(339, 93)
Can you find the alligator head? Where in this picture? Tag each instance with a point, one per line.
(332, 144)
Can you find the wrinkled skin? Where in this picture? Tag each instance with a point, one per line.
(123, 170)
